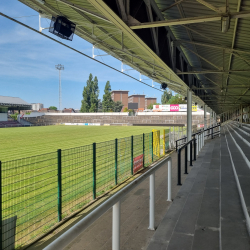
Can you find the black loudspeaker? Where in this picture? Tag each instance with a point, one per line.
(62, 27)
(164, 86)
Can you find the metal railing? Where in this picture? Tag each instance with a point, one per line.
(186, 158)
(115, 202)
(196, 144)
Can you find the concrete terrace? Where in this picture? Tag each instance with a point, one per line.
(207, 212)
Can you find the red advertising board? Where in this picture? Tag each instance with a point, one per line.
(174, 107)
(138, 163)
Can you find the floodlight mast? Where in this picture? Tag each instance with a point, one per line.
(60, 67)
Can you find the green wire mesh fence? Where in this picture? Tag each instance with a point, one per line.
(38, 192)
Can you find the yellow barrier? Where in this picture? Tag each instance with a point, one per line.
(156, 142)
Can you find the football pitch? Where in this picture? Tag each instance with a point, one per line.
(30, 170)
(24, 142)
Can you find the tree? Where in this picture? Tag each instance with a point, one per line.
(166, 96)
(117, 106)
(125, 109)
(150, 106)
(100, 105)
(90, 95)
(53, 108)
(177, 99)
(107, 101)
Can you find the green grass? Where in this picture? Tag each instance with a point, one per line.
(29, 170)
(29, 141)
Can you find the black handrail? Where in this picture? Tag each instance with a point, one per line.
(191, 158)
(199, 132)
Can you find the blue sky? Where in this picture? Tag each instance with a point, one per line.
(27, 64)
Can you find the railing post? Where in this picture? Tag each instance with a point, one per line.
(219, 130)
(1, 208)
(212, 133)
(143, 148)
(191, 158)
(59, 184)
(116, 162)
(195, 148)
(152, 146)
(186, 160)
(116, 226)
(152, 202)
(176, 145)
(169, 180)
(197, 145)
(179, 167)
(94, 170)
(132, 155)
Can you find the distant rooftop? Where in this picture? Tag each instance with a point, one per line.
(136, 95)
(14, 102)
(120, 91)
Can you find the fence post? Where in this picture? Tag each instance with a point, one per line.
(116, 152)
(191, 152)
(186, 155)
(143, 148)
(195, 148)
(169, 180)
(132, 156)
(179, 167)
(152, 146)
(94, 170)
(116, 226)
(152, 202)
(1, 207)
(212, 132)
(164, 142)
(59, 184)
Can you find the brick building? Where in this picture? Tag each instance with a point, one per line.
(140, 99)
(120, 95)
(150, 100)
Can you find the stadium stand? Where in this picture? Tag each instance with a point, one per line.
(113, 119)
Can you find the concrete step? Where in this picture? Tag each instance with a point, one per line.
(177, 229)
(207, 213)
(234, 233)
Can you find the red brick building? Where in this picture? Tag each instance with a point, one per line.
(149, 100)
(140, 99)
(120, 95)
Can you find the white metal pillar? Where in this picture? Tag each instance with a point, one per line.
(169, 180)
(189, 119)
(152, 202)
(205, 119)
(116, 226)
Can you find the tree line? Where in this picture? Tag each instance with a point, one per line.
(92, 103)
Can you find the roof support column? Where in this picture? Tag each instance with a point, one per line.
(189, 119)
(241, 114)
(205, 116)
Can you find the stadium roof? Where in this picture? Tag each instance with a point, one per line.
(14, 103)
(197, 44)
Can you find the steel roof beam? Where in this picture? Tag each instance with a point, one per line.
(213, 72)
(75, 6)
(210, 6)
(227, 49)
(190, 20)
(171, 6)
(204, 59)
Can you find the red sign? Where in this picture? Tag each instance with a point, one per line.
(138, 163)
(174, 107)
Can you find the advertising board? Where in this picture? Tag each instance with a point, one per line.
(138, 163)
(183, 107)
(174, 107)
